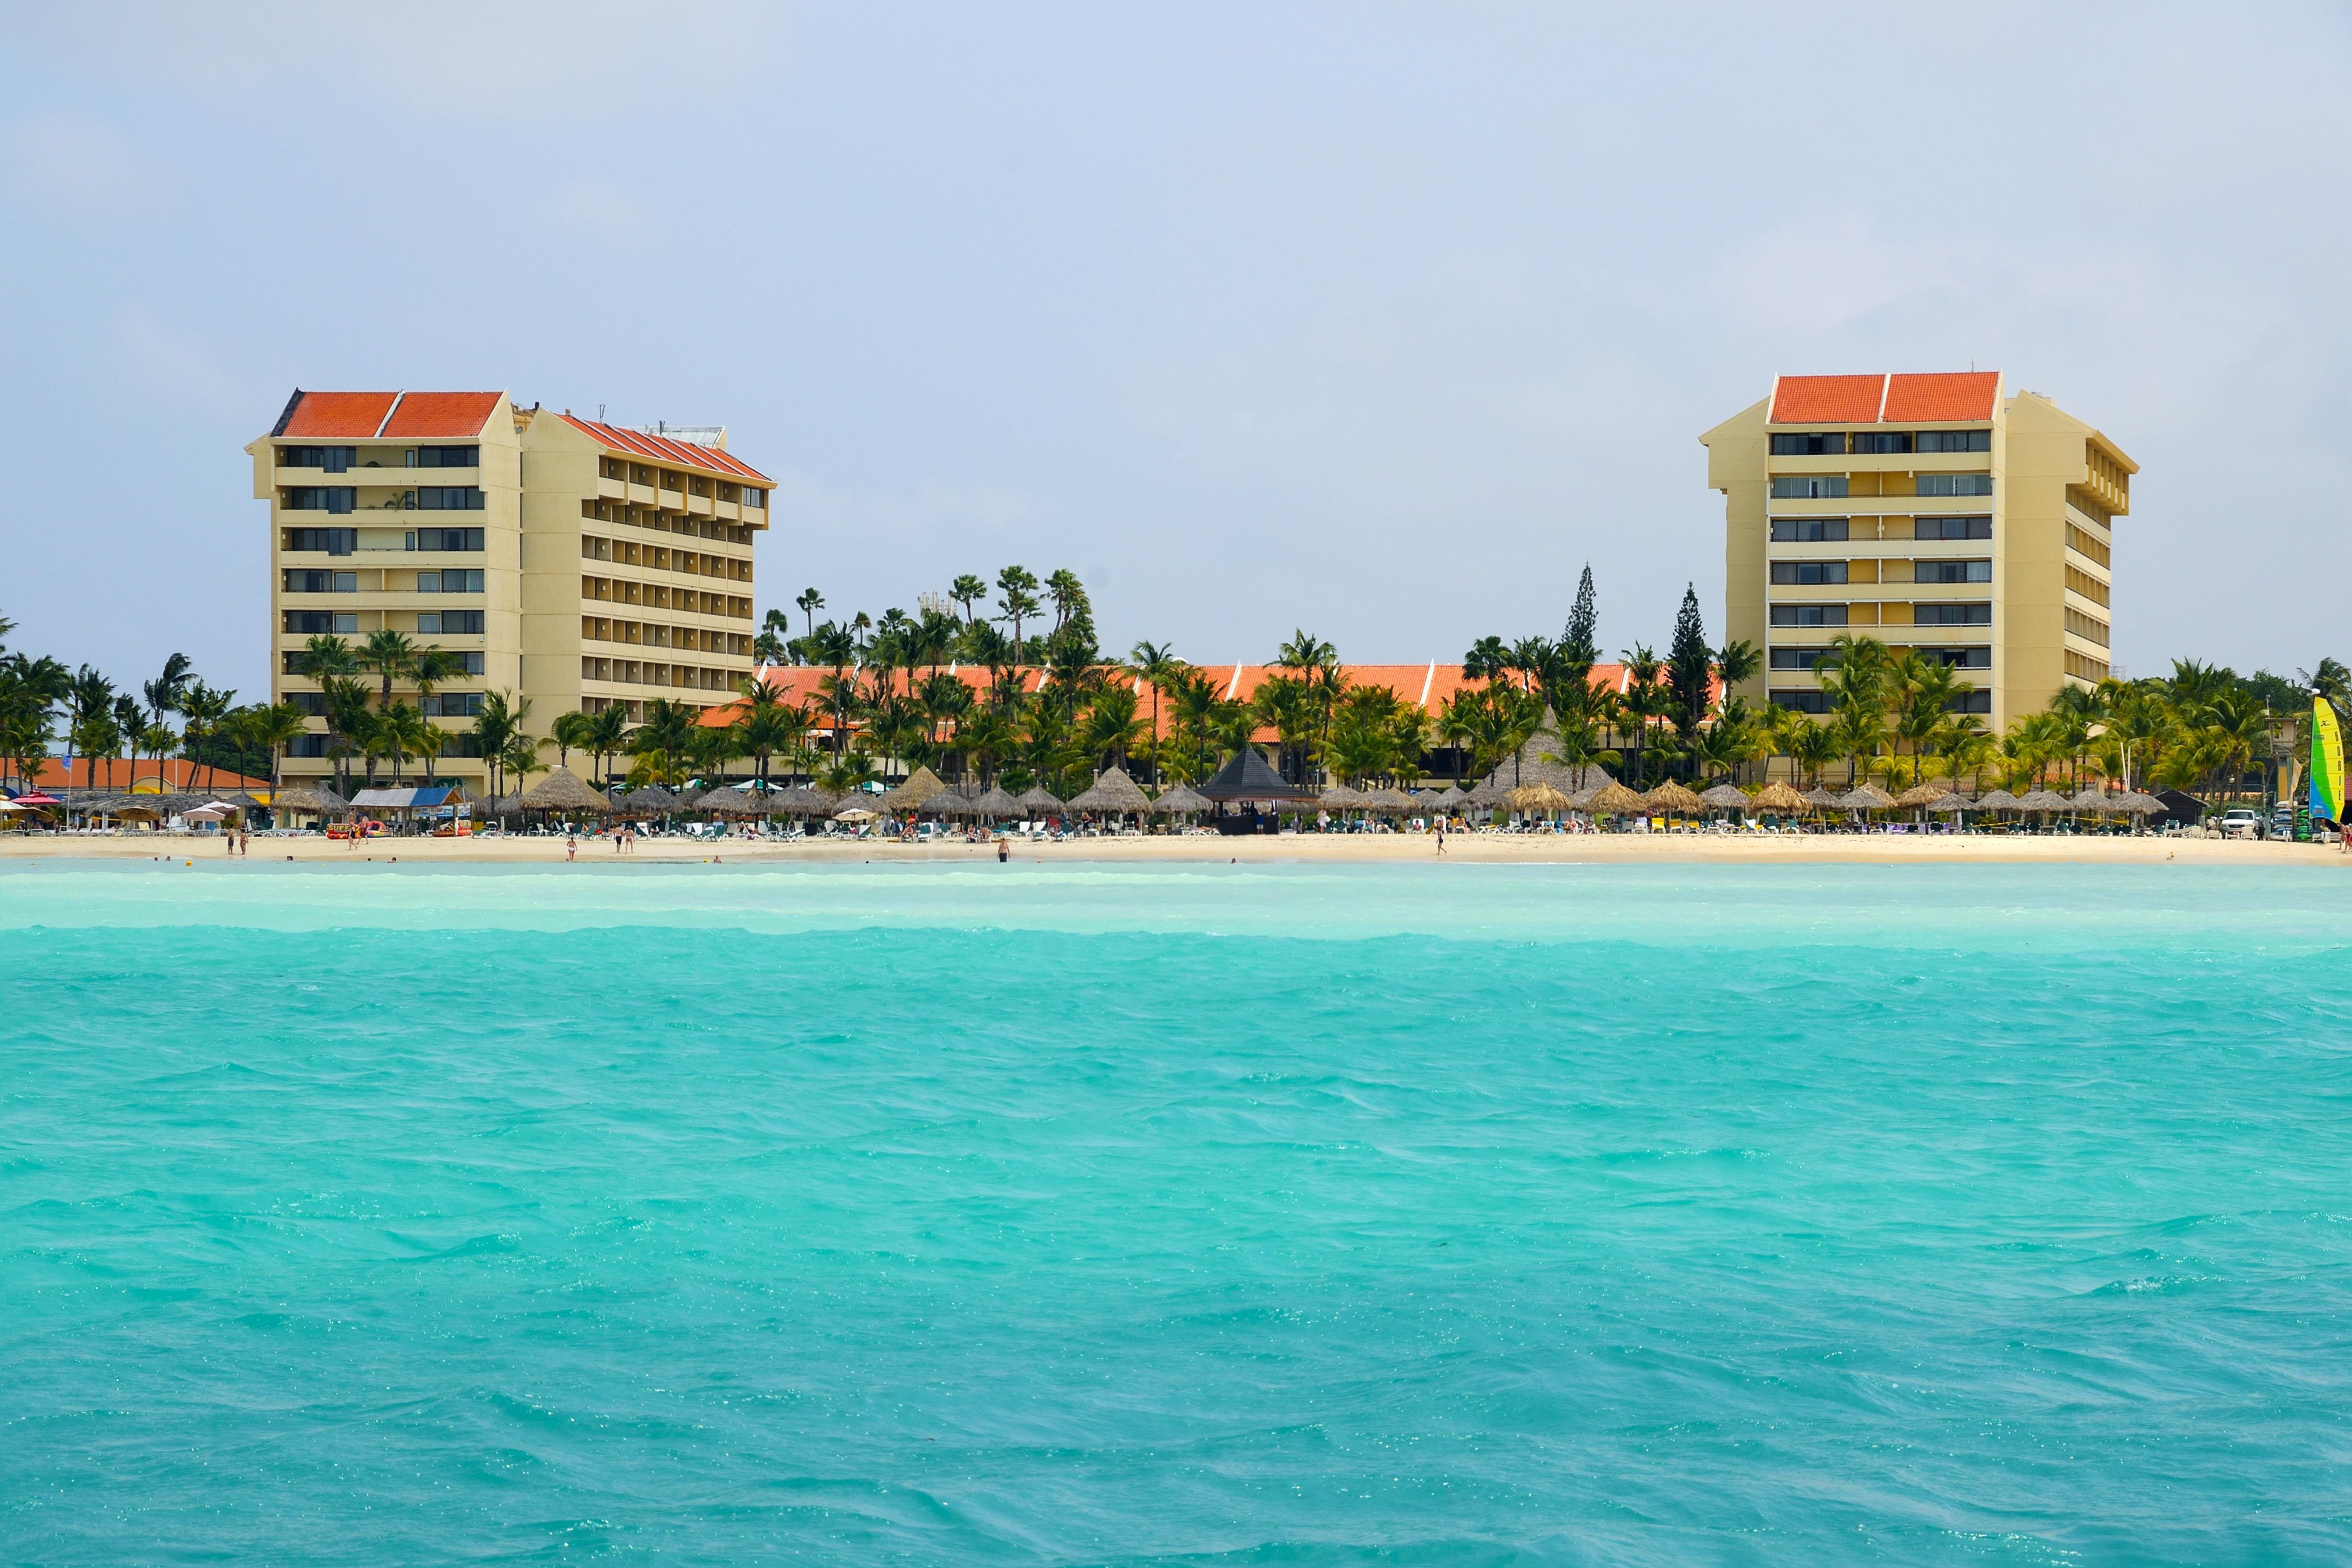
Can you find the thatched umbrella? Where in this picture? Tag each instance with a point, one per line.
(1919, 795)
(1950, 801)
(1539, 797)
(1113, 792)
(804, 800)
(2042, 800)
(997, 803)
(561, 790)
(1339, 798)
(734, 802)
(1487, 793)
(1727, 797)
(1821, 796)
(1615, 800)
(1037, 797)
(1782, 800)
(1390, 799)
(921, 786)
(2137, 803)
(2093, 799)
(320, 802)
(1997, 800)
(1182, 800)
(1866, 797)
(1673, 800)
(1441, 802)
(648, 797)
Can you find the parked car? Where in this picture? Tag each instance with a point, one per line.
(2242, 822)
(2283, 820)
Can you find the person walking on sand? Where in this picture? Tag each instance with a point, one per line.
(1441, 839)
(571, 847)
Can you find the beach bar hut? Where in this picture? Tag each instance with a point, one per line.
(1248, 780)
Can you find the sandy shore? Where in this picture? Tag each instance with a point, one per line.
(1494, 848)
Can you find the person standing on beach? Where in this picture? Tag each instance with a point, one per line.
(571, 847)
(1441, 839)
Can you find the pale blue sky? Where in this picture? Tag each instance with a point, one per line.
(1376, 320)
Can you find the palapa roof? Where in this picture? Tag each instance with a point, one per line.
(1113, 791)
(1248, 777)
(648, 797)
(1614, 800)
(1037, 797)
(1727, 797)
(2093, 799)
(921, 786)
(997, 801)
(1997, 800)
(1673, 796)
(1339, 797)
(1390, 798)
(804, 800)
(1781, 798)
(2044, 800)
(1182, 800)
(953, 802)
(1866, 797)
(735, 802)
(1951, 801)
(562, 790)
(1921, 794)
(322, 801)
(1821, 794)
(1533, 764)
(2137, 804)
(1540, 795)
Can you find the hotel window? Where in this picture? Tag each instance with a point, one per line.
(1956, 484)
(449, 623)
(1951, 572)
(322, 498)
(450, 582)
(1951, 614)
(1960, 657)
(320, 623)
(1802, 701)
(449, 497)
(1798, 657)
(1809, 614)
(451, 705)
(332, 459)
(1808, 487)
(300, 582)
(444, 539)
(331, 541)
(1955, 441)
(1809, 530)
(314, 703)
(1969, 700)
(473, 662)
(1810, 444)
(307, 745)
(446, 458)
(754, 498)
(1952, 528)
(2087, 628)
(1879, 443)
(1808, 573)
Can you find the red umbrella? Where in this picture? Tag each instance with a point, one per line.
(37, 798)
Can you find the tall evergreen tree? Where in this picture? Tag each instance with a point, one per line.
(1690, 666)
(1580, 643)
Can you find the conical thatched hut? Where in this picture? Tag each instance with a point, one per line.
(1673, 800)
(1997, 800)
(1725, 797)
(1539, 796)
(804, 800)
(1182, 800)
(1114, 793)
(1615, 800)
(1390, 800)
(919, 788)
(1782, 800)
(1866, 797)
(561, 790)
(1037, 797)
(997, 805)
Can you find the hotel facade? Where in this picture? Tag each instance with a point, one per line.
(1926, 511)
(568, 562)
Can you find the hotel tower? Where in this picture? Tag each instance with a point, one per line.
(570, 562)
(1926, 511)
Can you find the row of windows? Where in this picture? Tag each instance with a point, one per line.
(449, 497)
(630, 672)
(1877, 443)
(1815, 573)
(1978, 658)
(451, 581)
(451, 746)
(1921, 616)
(640, 474)
(344, 541)
(2085, 545)
(1973, 700)
(660, 596)
(311, 701)
(346, 498)
(303, 580)
(695, 562)
(664, 522)
(318, 623)
(1834, 487)
(322, 498)
(2087, 628)
(444, 539)
(1836, 530)
(342, 459)
(648, 634)
(2083, 583)
(2085, 668)
(449, 623)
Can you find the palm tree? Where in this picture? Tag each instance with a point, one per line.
(1017, 586)
(608, 732)
(204, 708)
(274, 729)
(392, 656)
(1155, 663)
(1642, 668)
(809, 602)
(496, 728)
(570, 731)
(968, 589)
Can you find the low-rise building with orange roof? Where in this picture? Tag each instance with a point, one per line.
(570, 562)
(1929, 511)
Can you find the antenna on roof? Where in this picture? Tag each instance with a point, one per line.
(600, 414)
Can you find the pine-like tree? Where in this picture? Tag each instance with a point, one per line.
(1580, 645)
(1690, 666)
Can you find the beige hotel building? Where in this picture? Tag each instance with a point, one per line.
(570, 561)
(1926, 511)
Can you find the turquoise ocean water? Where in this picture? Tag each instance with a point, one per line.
(364, 1215)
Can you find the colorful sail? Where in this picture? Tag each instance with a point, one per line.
(2326, 764)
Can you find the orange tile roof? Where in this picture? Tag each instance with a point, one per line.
(1951, 395)
(1827, 399)
(661, 450)
(430, 414)
(177, 775)
(347, 414)
(1428, 686)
